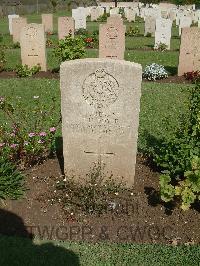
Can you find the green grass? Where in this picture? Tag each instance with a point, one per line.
(23, 252)
(159, 102)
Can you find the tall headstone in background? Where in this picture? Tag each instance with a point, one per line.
(47, 21)
(163, 32)
(150, 26)
(17, 25)
(130, 15)
(94, 14)
(33, 46)
(10, 18)
(79, 16)
(114, 11)
(65, 27)
(112, 39)
(185, 22)
(189, 58)
(100, 103)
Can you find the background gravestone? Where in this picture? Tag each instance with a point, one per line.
(150, 26)
(47, 21)
(10, 17)
(189, 58)
(65, 27)
(79, 16)
(17, 25)
(112, 39)
(33, 46)
(163, 32)
(100, 116)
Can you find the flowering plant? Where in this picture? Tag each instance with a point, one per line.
(154, 72)
(23, 139)
(193, 76)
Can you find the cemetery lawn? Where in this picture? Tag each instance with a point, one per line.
(160, 102)
(161, 105)
(139, 49)
(18, 252)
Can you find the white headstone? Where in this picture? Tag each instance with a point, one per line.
(10, 17)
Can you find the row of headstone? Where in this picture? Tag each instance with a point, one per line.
(66, 26)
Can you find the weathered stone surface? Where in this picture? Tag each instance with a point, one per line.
(189, 58)
(17, 25)
(47, 21)
(100, 116)
(33, 46)
(112, 39)
(185, 22)
(65, 27)
(150, 26)
(163, 32)
(94, 14)
(79, 16)
(10, 18)
(130, 15)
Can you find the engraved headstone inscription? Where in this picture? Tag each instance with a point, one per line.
(100, 116)
(33, 46)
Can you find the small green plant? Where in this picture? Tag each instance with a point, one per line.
(187, 190)
(92, 197)
(103, 17)
(148, 35)
(26, 139)
(24, 71)
(193, 76)
(70, 49)
(161, 47)
(49, 43)
(11, 180)
(16, 45)
(133, 31)
(2, 60)
(154, 72)
(81, 32)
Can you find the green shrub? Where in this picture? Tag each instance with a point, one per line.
(24, 71)
(2, 60)
(161, 47)
(133, 31)
(148, 34)
(179, 157)
(11, 180)
(16, 45)
(187, 191)
(103, 17)
(70, 49)
(81, 32)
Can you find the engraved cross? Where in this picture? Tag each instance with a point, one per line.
(99, 154)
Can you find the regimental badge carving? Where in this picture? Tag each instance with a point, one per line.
(112, 32)
(100, 89)
(31, 32)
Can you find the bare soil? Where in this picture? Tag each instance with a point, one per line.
(144, 219)
(50, 75)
